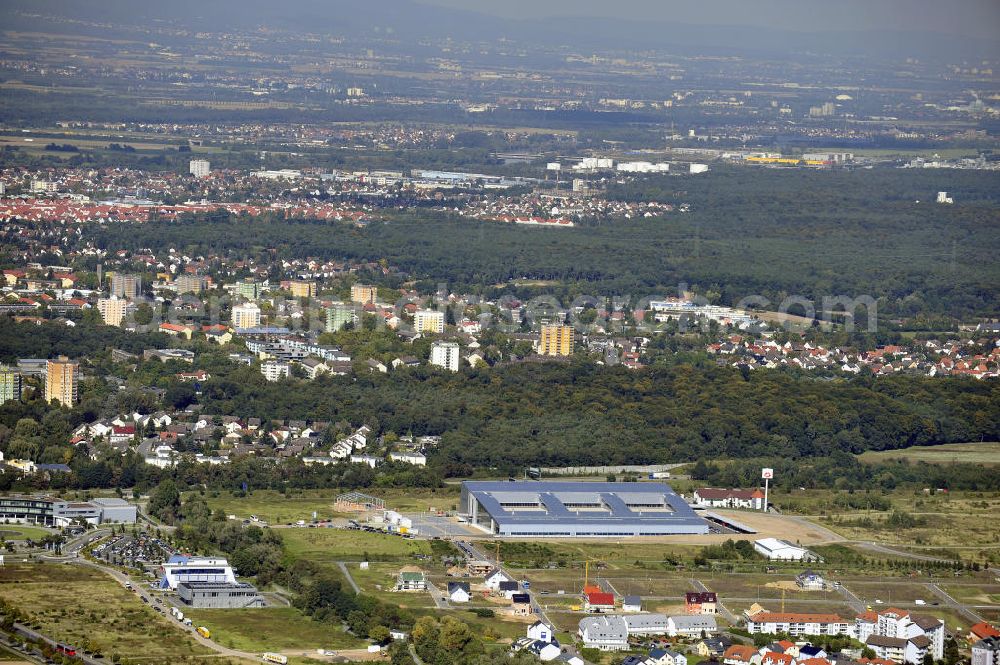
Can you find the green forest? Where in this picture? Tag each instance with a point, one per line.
(768, 232)
(515, 415)
(553, 414)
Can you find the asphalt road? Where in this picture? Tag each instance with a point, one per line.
(730, 617)
(856, 604)
(350, 580)
(952, 603)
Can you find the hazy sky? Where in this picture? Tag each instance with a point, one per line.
(980, 18)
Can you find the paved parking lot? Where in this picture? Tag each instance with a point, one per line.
(429, 526)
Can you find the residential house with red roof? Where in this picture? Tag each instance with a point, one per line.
(729, 498)
(599, 601)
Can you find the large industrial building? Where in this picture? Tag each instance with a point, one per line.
(219, 595)
(47, 511)
(575, 509)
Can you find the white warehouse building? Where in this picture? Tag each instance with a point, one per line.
(782, 550)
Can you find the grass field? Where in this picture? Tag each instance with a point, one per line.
(987, 453)
(379, 580)
(967, 516)
(419, 500)
(616, 555)
(274, 507)
(272, 629)
(339, 544)
(23, 532)
(890, 592)
(74, 604)
(764, 586)
(979, 593)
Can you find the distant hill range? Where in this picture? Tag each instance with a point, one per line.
(407, 20)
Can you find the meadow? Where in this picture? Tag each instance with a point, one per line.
(326, 545)
(987, 453)
(82, 606)
(272, 629)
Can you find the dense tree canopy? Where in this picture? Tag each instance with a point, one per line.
(811, 234)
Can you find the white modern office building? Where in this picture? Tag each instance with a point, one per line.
(180, 568)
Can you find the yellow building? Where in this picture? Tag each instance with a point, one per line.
(61, 381)
(364, 293)
(246, 315)
(428, 321)
(303, 288)
(556, 341)
(112, 310)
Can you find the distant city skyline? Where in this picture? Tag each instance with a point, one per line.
(973, 18)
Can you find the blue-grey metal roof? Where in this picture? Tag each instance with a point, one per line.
(547, 503)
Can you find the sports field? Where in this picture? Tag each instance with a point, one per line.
(23, 532)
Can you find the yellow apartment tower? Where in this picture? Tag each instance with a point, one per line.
(61, 381)
(556, 341)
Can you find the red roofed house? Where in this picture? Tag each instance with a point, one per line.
(599, 601)
(814, 661)
(795, 624)
(774, 658)
(174, 330)
(197, 375)
(696, 602)
(875, 661)
(11, 276)
(741, 654)
(65, 279)
(981, 631)
(122, 434)
(727, 498)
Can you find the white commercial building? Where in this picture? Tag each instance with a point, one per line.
(199, 168)
(180, 569)
(445, 354)
(594, 163)
(246, 316)
(643, 167)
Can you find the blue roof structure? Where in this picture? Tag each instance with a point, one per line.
(558, 508)
(63, 468)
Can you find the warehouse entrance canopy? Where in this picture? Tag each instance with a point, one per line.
(555, 508)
